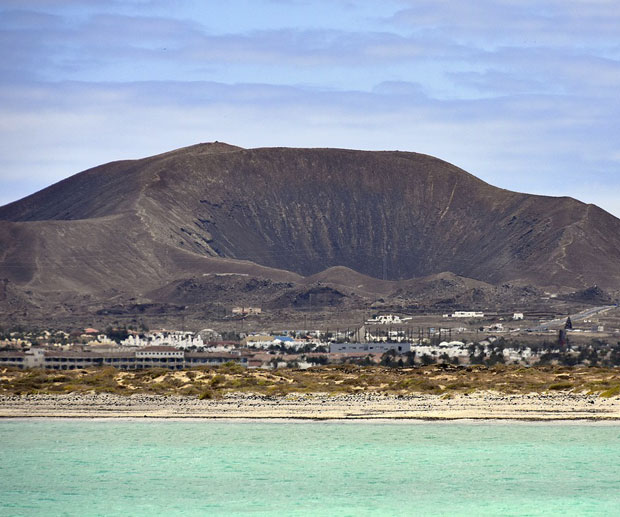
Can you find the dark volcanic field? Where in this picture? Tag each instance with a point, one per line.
(193, 232)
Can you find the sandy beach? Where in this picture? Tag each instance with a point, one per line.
(477, 406)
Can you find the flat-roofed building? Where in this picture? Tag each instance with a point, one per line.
(206, 358)
(71, 360)
(120, 360)
(257, 340)
(371, 348)
(159, 351)
(12, 358)
(246, 310)
(30, 359)
(148, 357)
(467, 314)
(160, 357)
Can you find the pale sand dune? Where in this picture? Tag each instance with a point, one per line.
(483, 405)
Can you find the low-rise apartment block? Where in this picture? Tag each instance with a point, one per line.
(149, 357)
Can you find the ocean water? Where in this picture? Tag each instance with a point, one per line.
(161, 467)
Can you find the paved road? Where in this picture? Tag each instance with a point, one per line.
(559, 322)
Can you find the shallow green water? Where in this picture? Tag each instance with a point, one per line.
(154, 467)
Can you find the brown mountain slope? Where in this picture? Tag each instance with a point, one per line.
(447, 291)
(277, 213)
(346, 277)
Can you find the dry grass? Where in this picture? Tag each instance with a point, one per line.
(213, 382)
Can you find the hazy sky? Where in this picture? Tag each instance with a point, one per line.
(521, 93)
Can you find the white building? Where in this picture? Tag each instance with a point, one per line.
(453, 349)
(384, 336)
(387, 319)
(159, 351)
(518, 316)
(246, 310)
(174, 339)
(467, 314)
(371, 348)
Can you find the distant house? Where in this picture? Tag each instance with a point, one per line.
(371, 348)
(467, 314)
(257, 340)
(387, 319)
(246, 311)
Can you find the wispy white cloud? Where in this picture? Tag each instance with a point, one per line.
(125, 47)
(526, 22)
(506, 141)
(518, 92)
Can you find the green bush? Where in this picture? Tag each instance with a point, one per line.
(217, 380)
(611, 392)
(231, 367)
(207, 394)
(561, 386)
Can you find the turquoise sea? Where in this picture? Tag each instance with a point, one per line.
(162, 467)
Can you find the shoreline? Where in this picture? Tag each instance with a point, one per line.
(476, 407)
(337, 420)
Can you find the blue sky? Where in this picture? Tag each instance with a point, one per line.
(521, 93)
